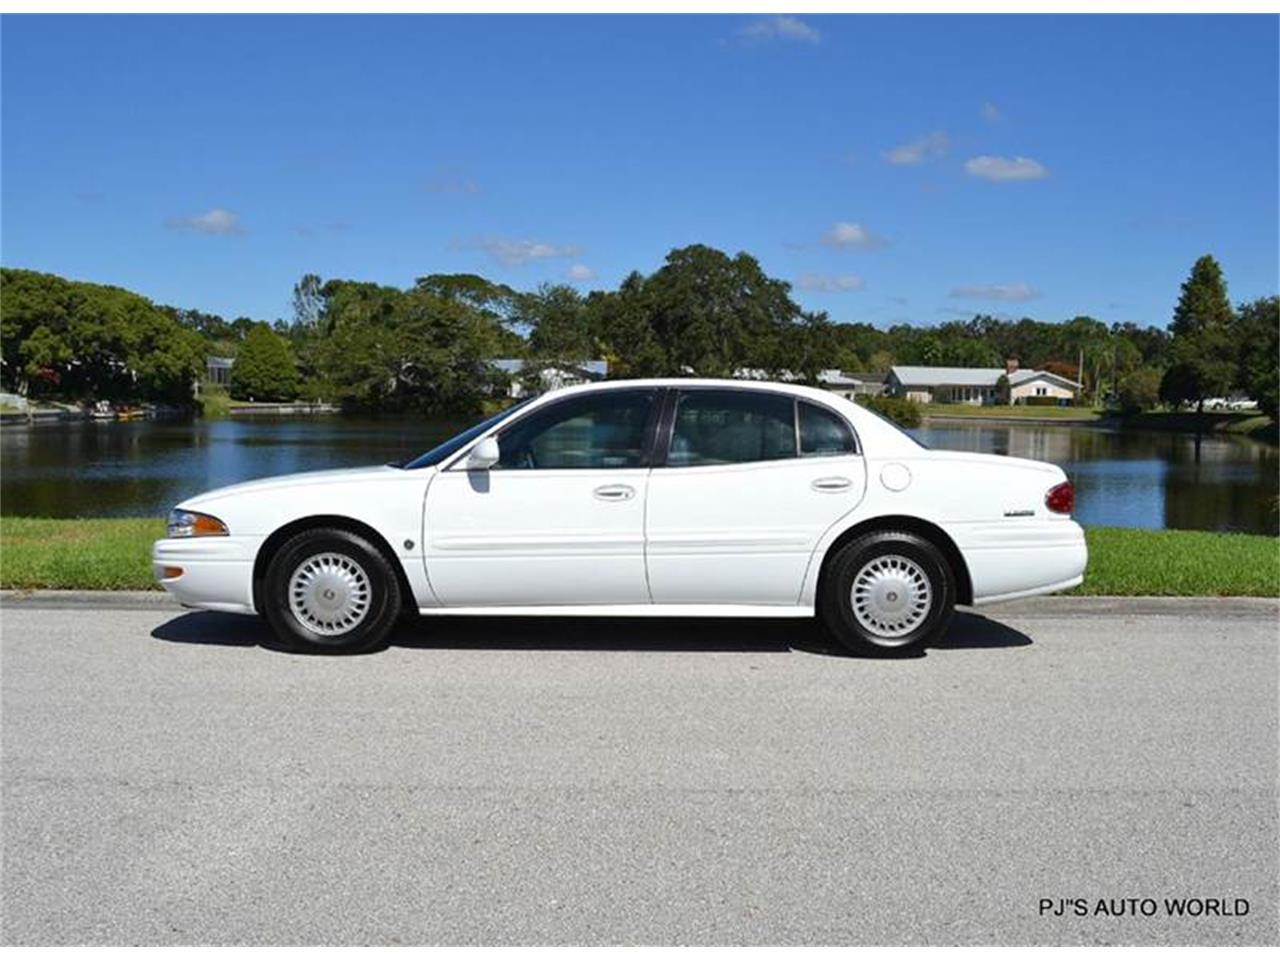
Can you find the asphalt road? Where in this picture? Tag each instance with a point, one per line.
(166, 779)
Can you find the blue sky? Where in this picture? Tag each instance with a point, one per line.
(896, 169)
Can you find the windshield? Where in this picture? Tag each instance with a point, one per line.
(454, 444)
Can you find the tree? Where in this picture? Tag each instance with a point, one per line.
(1258, 338)
(1004, 392)
(881, 361)
(621, 323)
(1204, 357)
(308, 302)
(1138, 390)
(559, 333)
(812, 347)
(86, 341)
(264, 368)
(407, 349)
(713, 314)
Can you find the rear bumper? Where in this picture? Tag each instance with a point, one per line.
(1021, 558)
(217, 572)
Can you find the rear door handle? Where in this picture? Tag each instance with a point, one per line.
(614, 491)
(831, 484)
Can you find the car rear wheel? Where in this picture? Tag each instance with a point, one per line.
(331, 591)
(887, 592)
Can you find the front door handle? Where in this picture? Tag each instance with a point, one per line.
(831, 484)
(614, 491)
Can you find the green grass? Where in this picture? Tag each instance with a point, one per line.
(1034, 413)
(1180, 563)
(98, 554)
(115, 554)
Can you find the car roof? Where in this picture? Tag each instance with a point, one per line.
(703, 382)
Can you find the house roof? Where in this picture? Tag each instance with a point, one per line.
(867, 376)
(1022, 376)
(950, 376)
(838, 378)
(849, 378)
(968, 376)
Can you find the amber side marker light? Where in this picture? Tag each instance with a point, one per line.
(171, 573)
(1062, 498)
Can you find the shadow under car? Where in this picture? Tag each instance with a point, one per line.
(442, 632)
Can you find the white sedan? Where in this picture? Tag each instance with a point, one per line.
(638, 498)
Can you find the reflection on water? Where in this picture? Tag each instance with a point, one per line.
(1140, 478)
(1124, 479)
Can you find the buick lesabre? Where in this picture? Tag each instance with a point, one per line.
(686, 498)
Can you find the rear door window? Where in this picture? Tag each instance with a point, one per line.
(732, 426)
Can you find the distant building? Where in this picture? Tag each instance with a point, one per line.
(977, 385)
(842, 382)
(588, 371)
(851, 384)
(217, 370)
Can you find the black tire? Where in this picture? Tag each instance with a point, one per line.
(371, 599)
(894, 599)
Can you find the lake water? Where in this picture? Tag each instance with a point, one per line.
(1122, 479)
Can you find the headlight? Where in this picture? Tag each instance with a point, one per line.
(187, 523)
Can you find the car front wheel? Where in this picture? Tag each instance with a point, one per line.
(887, 592)
(331, 591)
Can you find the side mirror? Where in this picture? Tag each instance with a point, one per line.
(484, 454)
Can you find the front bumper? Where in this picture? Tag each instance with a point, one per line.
(217, 572)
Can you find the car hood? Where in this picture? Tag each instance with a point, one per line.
(312, 478)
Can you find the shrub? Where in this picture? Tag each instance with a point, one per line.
(905, 413)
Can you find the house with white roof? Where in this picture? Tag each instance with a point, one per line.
(978, 385)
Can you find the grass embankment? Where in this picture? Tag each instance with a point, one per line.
(1180, 563)
(1246, 423)
(97, 554)
(216, 403)
(111, 554)
(1006, 412)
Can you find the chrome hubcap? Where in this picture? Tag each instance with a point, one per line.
(891, 597)
(329, 594)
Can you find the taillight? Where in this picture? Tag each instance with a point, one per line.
(1062, 498)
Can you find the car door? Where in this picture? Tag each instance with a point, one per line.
(559, 519)
(750, 481)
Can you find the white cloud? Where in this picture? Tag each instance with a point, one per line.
(516, 253)
(216, 221)
(853, 235)
(999, 169)
(819, 283)
(780, 28)
(580, 273)
(991, 113)
(929, 147)
(1015, 292)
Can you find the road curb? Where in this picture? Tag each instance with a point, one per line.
(89, 599)
(1033, 607)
